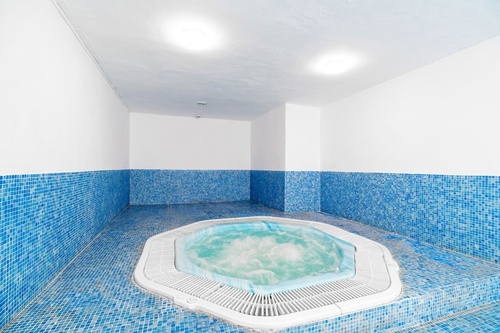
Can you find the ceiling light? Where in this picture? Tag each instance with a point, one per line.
(337, 66)
(336, 63)
(194, 39)
(193, 34)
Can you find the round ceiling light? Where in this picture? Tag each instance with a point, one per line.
(194, 39)
(193, 34)
(334, 64)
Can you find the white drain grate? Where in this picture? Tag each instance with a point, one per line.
(282, 303)
(376, 282)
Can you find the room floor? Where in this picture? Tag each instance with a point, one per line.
(95, 293)
(484, 319)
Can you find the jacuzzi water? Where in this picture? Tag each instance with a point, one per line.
(264, 257)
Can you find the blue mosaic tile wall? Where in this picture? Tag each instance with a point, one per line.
(461, 213)
(46, 219)
(150, 187)
(287, 191)
(302, 191)
(268, 188)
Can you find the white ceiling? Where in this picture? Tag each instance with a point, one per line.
(266, 48)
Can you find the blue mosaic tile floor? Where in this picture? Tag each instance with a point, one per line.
(95, 293)
(483, 320)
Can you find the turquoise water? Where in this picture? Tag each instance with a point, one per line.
(259, 255)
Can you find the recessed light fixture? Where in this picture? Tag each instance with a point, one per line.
(335, 63)
(194, 39)
(193, 34)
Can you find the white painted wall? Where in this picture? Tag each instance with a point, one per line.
(287, 139)
(166, 142)
(443, 118)
(303, 138)
(57, 112)
(268, 140)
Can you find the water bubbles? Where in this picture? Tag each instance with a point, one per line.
(266, 256)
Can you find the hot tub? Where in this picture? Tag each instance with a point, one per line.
(372, 280)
